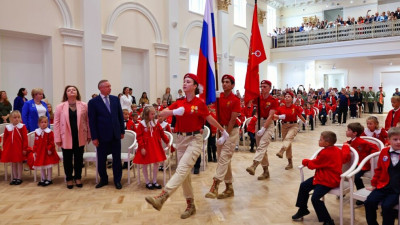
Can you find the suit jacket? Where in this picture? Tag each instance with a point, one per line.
(30, 115)
(104, 125)
(62, 127)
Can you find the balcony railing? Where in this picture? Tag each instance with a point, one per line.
(340, 33)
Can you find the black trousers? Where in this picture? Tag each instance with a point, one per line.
(75, 154)
(211, 148)
(380, 107)
(311, 118)
(105, 148)
(322, 118)
(371, 107)
(353, 110)
(342, 112)
(319, 192)
(252, 140)
(358, 181)
(388, 200)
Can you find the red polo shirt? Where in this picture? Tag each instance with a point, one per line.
(291, 112)
(227, 105)
(267, 104)
(194, 117)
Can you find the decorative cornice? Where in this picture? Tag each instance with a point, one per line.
(108, 41)
(72, 36)
(161, 49)
(223, 5)
(261, 15)
(183, 53)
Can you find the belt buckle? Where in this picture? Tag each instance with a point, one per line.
(184, 134)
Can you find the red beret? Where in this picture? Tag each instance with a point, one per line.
(227, 76)
(370, 87)
(347, 86)
(362, 86)
(191, 76)
(290, 93)
(380, 87)
(266, 82)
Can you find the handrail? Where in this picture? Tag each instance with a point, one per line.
(338, 33)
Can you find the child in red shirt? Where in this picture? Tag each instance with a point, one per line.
(393, 117)
(373, 130)
(363, 148)
(328, 165)
(386, 182)
(251, 130)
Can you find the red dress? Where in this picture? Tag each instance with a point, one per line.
(380, 134)
(150, 140)
(15, 142)
(44, 141)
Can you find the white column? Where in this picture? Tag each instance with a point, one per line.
(173, 51)
(223, 43)
(92, 53)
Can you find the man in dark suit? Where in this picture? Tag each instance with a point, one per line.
(106, 124)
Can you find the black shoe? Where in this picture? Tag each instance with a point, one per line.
(101, 184)
(40, 183)
(210, 160)
(18, 182)
(330, 222)
(161, 168)
(149, 186)
(70, 186)
(300, 213)
(157, 186)
(252, 150)
(358, 202)
(118, 185)
(196, 171)
(47, 183)
(13, 182)
(215, 160)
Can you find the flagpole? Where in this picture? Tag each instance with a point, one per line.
(258, 99)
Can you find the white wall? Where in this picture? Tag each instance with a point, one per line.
(23, 64)
(390, 6)
(134, 71)
(359, 11)
(293, 74)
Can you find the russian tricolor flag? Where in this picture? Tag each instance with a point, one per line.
(207, 56)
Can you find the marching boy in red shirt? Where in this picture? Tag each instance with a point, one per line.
(386, 182)
(328, 165)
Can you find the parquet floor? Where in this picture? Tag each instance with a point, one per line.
(255, 202)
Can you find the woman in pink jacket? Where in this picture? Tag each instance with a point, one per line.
(71, 133)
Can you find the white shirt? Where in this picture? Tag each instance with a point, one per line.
(394, 157)
(41, 110)
(126, 102)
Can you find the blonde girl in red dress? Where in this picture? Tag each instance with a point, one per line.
(15, 144)
(150, 151)
(373, 130)
(45, 152)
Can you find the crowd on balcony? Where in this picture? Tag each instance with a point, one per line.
(324, 24)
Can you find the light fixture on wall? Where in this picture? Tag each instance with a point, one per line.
(334, 66)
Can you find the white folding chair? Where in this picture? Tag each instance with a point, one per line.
(167, 149)
(128, 149)
(245, 135)
(344, 186)
(361, 194)
(2, 127)
(90, 155)
(375, 141)
(206, 134)
(316, 113)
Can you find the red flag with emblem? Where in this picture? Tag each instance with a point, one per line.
(256, 56)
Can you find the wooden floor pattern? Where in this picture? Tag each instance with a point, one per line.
(255, 202)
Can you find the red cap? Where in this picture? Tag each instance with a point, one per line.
(370, 87)
(227, 76)
(362, 86)
(191, 76)
(266, 82)
(290, 93)
(347, 87)
(380, 87)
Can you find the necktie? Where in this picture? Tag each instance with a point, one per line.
(107, 103)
